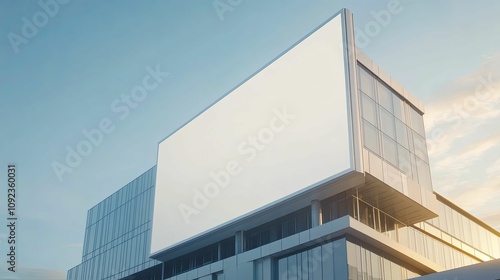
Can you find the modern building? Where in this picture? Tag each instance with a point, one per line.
(332, 183)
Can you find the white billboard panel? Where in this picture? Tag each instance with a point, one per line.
(281, 131)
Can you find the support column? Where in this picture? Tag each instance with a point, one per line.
(316, 214)
(238, 239)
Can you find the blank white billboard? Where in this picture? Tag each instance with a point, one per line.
(276, 135)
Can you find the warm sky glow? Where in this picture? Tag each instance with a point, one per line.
(75, 70)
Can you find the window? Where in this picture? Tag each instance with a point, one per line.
(227, 248)
(385, 97)
(370, 137)
(417, 122)
(277, 229)
(420, 147)
(404, 160)
(201, 257)
(401, 134)
(369, 109)
(366, 83)
(390, 150)
(387, 123)
(402, 141)
(399, 108)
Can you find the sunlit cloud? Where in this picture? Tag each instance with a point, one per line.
(468, 155)
(494, 168)
(463, 133)
(479, 197)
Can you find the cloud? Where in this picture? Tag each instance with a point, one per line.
(494, 168)
(463, 133)
(463, 107)
(447, 124)
(479, 198)
(25, 273)
(468, 155)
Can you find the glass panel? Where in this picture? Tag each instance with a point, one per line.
(315, 257)
(466, 229)
(420, 147)
(282, 268)
(340, 259)
(414, 172)
(370, 137)
(404, 160)
(402, 134)
(417, 122)
(396, 271)
(327, 260)
(385, 97)
(351, 261)
(399, 108)
(387, 123)
(292, 266)
(366, 83)
(301, 266)
(376, 262)
(424, 174)
(387, 270)
(369, 109)
(482, 240)
(359, 262)
(390, 150)
(368, 263)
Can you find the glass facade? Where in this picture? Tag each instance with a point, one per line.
(393, 129)
(340, 259)
(451, 240)
(418, 238)
(366, 264)
(327, 261)
(117, 235)
(464, 231)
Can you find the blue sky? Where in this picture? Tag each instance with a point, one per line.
(70, 73)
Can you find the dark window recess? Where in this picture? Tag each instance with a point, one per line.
(201, 257)
(336, 207)
(227, 248)
(277, 229)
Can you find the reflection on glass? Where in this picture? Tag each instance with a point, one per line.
(401, 134)
(399, 111)
(385, 97)
(387, 123)
(417, 122)
(390, 150)
(404, 160)
(420, 147)
(370, 137)
(366, 83)
(369, 109)
(398, 121)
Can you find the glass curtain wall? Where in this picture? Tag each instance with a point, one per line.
(393, 129)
